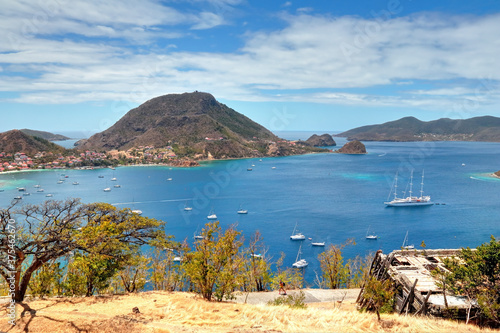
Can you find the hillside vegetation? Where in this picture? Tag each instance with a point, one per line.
(15, 141)
(485, 128)
(45, 135)
(196, 125)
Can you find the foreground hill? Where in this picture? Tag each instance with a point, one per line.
(45, 135)
(195, 124)
(15, 141)
(162, 312)
(485, 128)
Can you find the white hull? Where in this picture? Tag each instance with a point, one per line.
(300, 264)
(297, 237)
(318, 243)
(408, 203)
(212, 217)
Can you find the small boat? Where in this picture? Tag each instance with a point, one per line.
(100, 176)
(273, 168)
(169, 179)
(37, 186)
(26, 194)
(117, 186)
(18, 197)
(318, 243)
(405, 245)
(49, 195)
(187, 208)
(370, 235)
(242, 211)
(21, 189)
(296, 235)
(177, 259)
(212, 215)
(60, 181)
(299, 263)
(76, 183)
(253, 165)
(66, 176)
(107, 189)
(198, 237)
(256, 255)
(40, 190)
(410, 201)
(249, 169)
(260, 160)
(113, 179)
(137, 211)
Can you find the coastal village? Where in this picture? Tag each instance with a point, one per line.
(88, 159)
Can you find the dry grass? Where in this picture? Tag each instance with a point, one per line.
(163, 312)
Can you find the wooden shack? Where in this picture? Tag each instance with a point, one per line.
(416, 289)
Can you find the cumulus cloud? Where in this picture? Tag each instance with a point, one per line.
(334, 55)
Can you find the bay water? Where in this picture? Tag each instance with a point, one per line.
(330, 197)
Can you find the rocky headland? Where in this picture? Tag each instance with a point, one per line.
(352, 147)
(324, 140)
(196, 126)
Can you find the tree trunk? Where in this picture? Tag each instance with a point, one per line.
(378, 315)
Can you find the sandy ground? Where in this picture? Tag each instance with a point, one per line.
(162, 312)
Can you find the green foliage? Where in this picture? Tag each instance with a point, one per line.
(476, 274)
(214, 264)
(47, 281)
(380, 295)
(256, 268)
(295, 301)
(335, 273)
(100, 236)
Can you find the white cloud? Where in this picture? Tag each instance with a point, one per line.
(311, 52)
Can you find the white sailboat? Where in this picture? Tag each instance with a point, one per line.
(211, 215)
(410, 201)
(405, 245)
(242, 211)
(318, 243)
(296, 235)
(370, 235)
(187, 208)
(299, 263)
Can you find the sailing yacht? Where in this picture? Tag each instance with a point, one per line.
(299, 263)
(212, 215)
(296, 235)
(187, 207)
(405, 245)
(242, 211)
(370, 235)
(412, 201)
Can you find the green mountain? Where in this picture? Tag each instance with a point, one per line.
(485, 128)
(196, 125)
(15, 141)
(45, 135)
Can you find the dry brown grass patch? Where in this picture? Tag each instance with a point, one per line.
(162, 312)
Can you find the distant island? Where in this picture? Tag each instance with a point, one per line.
(324, 140)
(352, 147)
(196, 126)
(45, 135)
(175, 130)
(485, 129)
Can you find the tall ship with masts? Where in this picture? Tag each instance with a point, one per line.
(409, 201)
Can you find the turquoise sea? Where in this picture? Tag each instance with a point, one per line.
(331, 197)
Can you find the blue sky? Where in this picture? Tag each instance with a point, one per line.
(289, 65)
